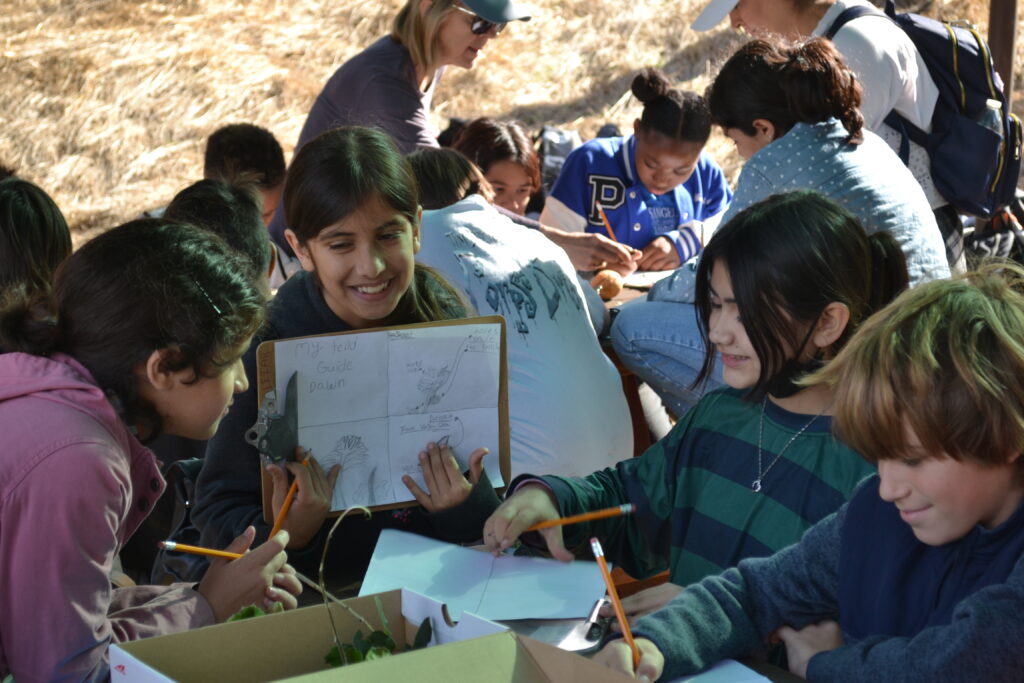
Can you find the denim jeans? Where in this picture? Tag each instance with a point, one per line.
(660, 342)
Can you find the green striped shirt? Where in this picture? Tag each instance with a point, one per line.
(696, 513)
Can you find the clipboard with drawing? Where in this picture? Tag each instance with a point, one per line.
(370, 400)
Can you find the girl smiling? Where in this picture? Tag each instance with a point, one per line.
(780, 289)
(352, 202)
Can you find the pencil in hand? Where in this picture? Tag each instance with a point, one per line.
(288, 499)
(197, 550)
(626, 509)
(607, 225)
(613, 594)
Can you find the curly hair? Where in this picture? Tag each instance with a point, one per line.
(677, 114)
(144, 286)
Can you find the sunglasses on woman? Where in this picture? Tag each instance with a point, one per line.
(480, 26)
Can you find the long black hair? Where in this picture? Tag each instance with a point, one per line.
(789, 256)
(34, 237)
(336, 174)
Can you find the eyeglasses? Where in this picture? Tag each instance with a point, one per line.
(480, 26)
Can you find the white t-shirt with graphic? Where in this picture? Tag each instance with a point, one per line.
(567, 412)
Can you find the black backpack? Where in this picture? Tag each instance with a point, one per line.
(974, 168)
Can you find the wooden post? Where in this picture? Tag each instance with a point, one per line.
(1002, 36)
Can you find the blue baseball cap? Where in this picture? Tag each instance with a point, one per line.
(498, 11)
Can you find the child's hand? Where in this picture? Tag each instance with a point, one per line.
(261, 577)
(803, 644)
(660, 254)
(643, 602)
(590, 250)
(312, 498)
(617, 655)
(530, 504)
(627, 269)
(446, 487)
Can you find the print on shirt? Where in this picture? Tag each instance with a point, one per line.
(608, 191)
(538, 286)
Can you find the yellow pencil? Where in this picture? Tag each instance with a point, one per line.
(595, 545)
(196, 550)
(607, 225)
(626, 509)
(292, 490)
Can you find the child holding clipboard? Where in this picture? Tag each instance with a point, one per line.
(656, 186)
(920, 576)
(352, 205)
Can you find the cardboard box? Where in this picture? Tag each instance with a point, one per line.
(292, 645)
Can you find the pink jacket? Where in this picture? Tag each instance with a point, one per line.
(74, 486)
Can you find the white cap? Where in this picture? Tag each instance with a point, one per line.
(713, 14)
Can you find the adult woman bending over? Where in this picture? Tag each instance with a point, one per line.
(390, 84)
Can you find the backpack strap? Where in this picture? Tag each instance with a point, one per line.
(907, 131)
(848, 15)
(905, 128)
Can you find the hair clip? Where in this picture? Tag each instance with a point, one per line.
(215, 308)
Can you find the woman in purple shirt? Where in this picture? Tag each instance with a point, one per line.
(390, 84)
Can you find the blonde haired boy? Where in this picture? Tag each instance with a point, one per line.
(920, 576)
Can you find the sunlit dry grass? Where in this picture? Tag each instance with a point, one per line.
(107, 103)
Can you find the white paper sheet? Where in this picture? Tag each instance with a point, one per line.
(497, 588)
(371, 402)
(645, 279)
(726, 671)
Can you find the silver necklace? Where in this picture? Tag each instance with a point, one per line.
(755, 486)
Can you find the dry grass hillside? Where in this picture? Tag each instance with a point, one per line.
(106, 103)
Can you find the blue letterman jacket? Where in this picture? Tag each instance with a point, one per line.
(604, 170)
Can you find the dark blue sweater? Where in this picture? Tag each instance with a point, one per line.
(908, 611)
(891, 584)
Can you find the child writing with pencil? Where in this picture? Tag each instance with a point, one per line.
(657, 187)
(143, 334)
(781, 287)
(920, 576)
